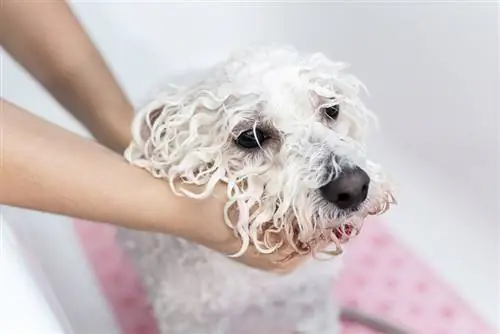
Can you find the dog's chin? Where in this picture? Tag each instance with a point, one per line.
(333, 227)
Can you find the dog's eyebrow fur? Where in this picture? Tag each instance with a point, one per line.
(243, 126)
(266, 127)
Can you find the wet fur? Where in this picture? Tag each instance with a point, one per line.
(189, 134)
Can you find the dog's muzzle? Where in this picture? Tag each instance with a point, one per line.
(348, 189)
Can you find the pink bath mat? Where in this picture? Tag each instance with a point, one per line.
(381, 277)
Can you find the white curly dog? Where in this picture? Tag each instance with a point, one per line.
(286, 132)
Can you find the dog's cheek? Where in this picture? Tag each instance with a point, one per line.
(343, 128)
(352, 129)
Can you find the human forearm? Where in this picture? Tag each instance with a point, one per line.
(46, 39)
(46, 168)
(49, 169)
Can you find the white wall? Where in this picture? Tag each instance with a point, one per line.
(432, 70)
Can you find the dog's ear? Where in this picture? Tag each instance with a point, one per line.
(181, 137)
(148, 121)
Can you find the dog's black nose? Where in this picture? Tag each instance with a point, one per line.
(348, 190)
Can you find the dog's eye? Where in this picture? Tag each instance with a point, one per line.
(332, 111)
(251, 138)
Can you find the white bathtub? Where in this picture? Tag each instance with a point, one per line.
(432, 70)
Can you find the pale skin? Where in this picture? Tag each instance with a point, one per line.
(47, 168)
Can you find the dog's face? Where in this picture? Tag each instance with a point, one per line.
(285, 132)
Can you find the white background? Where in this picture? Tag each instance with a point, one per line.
(432, 71)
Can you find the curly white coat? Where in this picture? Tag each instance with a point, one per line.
(190, 134)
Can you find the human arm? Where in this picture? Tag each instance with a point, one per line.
(47, 168)
(47, 39)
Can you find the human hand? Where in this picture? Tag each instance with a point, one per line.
(204, 224)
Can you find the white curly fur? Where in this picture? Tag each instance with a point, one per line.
(189, 134)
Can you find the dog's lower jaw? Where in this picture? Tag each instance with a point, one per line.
(197, 291)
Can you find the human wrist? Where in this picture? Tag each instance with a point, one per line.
(198, 220)
(113, 132)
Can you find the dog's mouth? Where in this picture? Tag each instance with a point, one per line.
(329, 240)
(270, 226)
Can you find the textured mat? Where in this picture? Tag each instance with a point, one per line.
(381, 277)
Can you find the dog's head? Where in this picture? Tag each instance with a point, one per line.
(285, 132)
